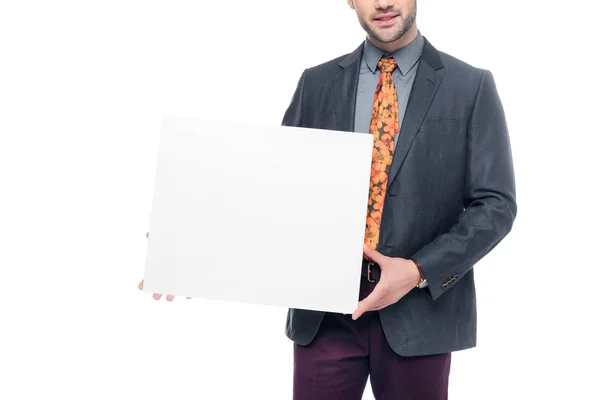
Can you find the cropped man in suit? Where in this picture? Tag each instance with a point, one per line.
(442, 196)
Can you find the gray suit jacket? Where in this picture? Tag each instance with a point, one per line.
(451, 192)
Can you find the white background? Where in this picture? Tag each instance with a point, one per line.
(83, 88)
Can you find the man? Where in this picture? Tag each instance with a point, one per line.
(442, 196)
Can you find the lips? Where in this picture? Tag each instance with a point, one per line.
(386, 19)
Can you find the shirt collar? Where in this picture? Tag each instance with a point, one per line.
(406, 57)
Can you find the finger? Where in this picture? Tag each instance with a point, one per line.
(188, 297)
(360, 310)
(374, 255)
(370, 303)
(156, 296)
(141, 285)
(363, 308)
(169, 297)
(147, 234)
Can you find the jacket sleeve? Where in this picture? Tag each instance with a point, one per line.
(293, 114)
(489, 198)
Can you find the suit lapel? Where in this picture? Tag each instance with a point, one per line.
(426, 83)
(423, 91)
(345, 84)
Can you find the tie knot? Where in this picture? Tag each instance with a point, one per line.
(387, 64)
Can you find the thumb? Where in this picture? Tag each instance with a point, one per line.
(373, 254)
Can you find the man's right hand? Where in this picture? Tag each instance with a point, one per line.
(157, 296)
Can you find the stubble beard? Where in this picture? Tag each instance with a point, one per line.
(406, 23)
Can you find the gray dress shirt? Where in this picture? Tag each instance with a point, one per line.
(407, 59)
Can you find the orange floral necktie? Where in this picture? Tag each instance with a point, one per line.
(384, 127)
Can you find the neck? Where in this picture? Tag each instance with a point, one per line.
(391, 47)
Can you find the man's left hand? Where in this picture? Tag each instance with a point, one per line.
(398, 277)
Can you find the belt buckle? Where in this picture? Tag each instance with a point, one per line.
(369, 272)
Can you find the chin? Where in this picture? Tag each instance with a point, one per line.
(387, 36)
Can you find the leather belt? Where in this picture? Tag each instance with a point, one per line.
(371, 271)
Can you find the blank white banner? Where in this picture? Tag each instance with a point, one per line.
(259, 214)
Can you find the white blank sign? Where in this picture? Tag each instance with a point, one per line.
(260, 214)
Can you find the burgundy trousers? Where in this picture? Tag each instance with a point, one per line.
(345, 353)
